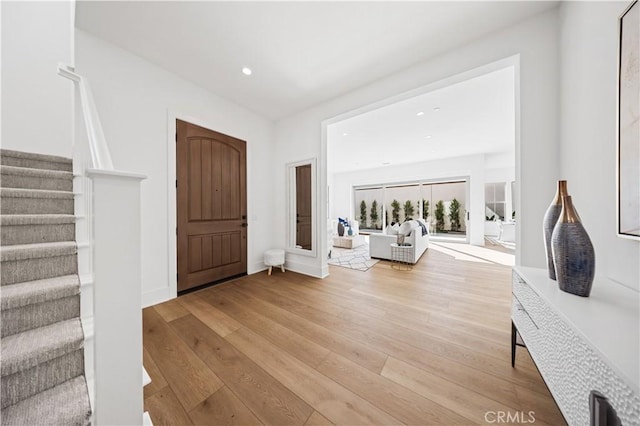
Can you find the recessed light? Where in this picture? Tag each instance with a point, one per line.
(436, 109)
(428, 137)
(246, 71)
(345, 134)
(420, 113)
(386, 163)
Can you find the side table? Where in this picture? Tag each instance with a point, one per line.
(401, 256)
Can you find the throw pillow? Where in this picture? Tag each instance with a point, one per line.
(392, 230)
(406, 228)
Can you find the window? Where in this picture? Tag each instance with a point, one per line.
(495, 201)
(401, 202)
(441, 217)
(368, 207)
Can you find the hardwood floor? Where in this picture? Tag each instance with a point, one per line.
(382, 347)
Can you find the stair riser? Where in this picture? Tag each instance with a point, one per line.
(39, 315)
(26, 383)
(13, 205)
(36, 269)
(33, 182)
(35, 164)
(33, 234)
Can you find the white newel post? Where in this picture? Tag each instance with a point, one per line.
(117, 297)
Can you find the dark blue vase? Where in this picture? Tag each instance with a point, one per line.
(573, 255)
(549, 222)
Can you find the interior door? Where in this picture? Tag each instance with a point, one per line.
(212, 205)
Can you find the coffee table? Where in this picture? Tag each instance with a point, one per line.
(348, 241)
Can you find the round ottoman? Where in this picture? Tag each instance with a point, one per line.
(274, 257)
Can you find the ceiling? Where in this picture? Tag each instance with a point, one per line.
(474, 116)
(301, 53)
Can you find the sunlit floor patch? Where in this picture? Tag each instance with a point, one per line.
(473, 253)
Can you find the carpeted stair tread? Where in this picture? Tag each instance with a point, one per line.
(39, 291)
(65, 404)
(30, 348)
(18, 229)
(31, 172)
(36, 219)
(35, 193)
(41, 161)
(37, 251)
(30, 178)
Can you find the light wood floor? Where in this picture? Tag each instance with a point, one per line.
(427, 346)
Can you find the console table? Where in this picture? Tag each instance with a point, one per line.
(581, 344)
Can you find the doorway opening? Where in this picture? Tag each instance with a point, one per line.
(440, 143)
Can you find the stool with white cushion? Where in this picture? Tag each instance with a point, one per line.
(274, 257)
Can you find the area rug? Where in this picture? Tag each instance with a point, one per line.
(356, 258)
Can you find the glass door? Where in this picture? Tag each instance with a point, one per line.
(444, 207)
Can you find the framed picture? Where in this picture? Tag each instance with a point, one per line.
(629, 123)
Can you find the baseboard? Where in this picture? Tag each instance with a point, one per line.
(305, 269)
(257, 267)
(146, 379)
(89, 364)
(157, 296)
(325, 271)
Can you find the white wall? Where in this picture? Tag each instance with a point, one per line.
(503, 174)
(134, 99)
(589, 40)
(473, 166)
(536, 43)
(37, 107)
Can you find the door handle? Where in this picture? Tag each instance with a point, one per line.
(244, 225)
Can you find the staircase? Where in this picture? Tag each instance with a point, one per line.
(42, 355)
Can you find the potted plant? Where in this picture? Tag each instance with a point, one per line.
(408, 210)
(439, 216)
(374, 214)
(363, 214)
(395, 211)
(454, 215)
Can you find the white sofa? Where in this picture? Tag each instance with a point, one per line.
(380, 244)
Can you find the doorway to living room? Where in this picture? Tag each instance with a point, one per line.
(432, 156)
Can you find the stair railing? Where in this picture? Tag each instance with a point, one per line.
(100, 155)
(108, 232)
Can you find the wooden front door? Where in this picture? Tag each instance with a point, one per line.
(212, 205)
